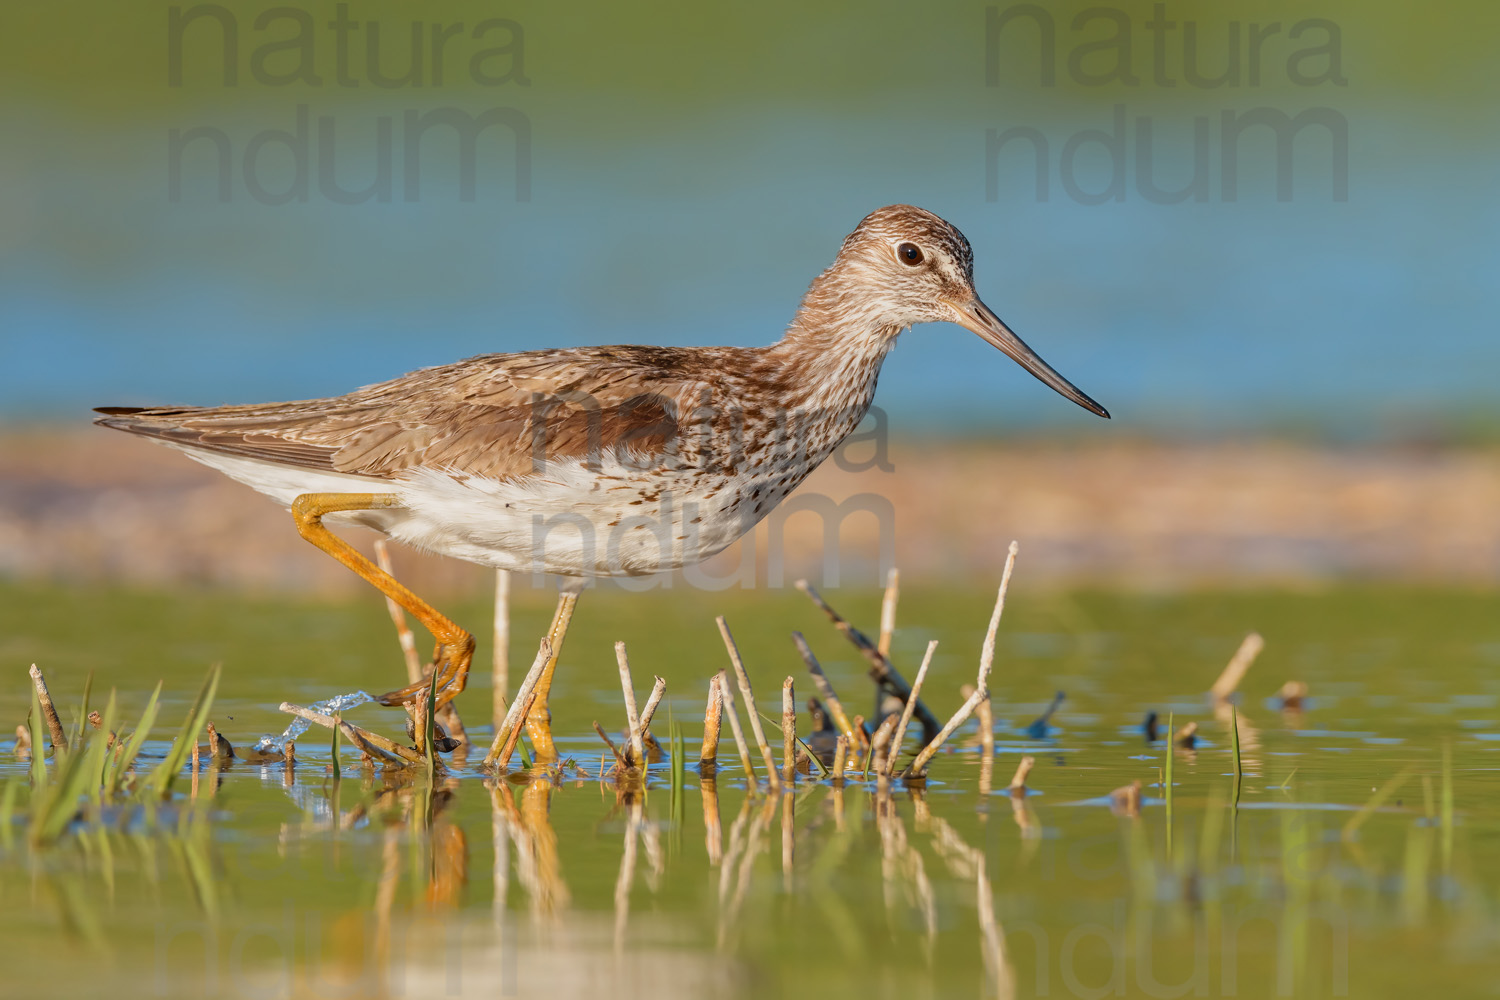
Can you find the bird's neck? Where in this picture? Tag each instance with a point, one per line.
(830, 355)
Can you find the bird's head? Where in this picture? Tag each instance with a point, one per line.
(906, 265)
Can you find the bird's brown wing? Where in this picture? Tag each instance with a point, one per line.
(495, 415)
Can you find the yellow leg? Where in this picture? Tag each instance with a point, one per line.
(539, 719)
(455, 646)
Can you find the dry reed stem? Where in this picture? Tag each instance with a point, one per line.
(1187, 736)
(49, 712)
(881, 670)
(218, 746)
(1023, 769)
(727, 696)
(363, 738)
(1234, 672)
(421, 707)
(825, 688)
(878, 742)
(986, 713)
(658, 689)
(1126, 801)
(398, 617)
(919, 766)
(916, 690)
(520, 706)
(632, 717)
(788, 732)
(500, 663)
(861, 745)
(749, 695)
(620, 762)
(516, 728)
(987, 656)
(708, 755)
(840, 755)
(888, 612)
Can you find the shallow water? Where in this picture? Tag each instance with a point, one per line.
(270, 884)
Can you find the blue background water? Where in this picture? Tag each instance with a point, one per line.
(691, 172)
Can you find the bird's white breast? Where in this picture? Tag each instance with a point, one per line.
(572, 518)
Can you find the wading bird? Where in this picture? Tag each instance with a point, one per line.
(594, 461)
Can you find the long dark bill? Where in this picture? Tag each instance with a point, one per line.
(976, 316)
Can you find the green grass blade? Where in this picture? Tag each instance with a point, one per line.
(38, 753)
(8, 812)
(55, 810)
(823, 771)
(81, 726)
(679, 775)
(99, 751)
(1376, 800)
(137, 739)
(337, 727)
(1239, 770)
(165, 773)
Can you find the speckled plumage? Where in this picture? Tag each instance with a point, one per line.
(599, 461)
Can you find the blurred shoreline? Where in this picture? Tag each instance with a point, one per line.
(91, 506)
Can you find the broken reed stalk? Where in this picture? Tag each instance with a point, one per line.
(620, 762)
(398, 618)
(420, 715)
(360, 739)
(1238, 664)
(788, 732)
(881, 670)
(727, 697)
(987, 654)
(389, 749)
(49, 711)
(878, 744)
(825, 688)
(632, 717)
(986, 713)
(888, 612)
(500, 663)
(658, 689)
(918, 767)
(749, 695)
(509, 729)
(916, 691)
(1023, 771)
(708, 756)
(860, 745)
(840, 756)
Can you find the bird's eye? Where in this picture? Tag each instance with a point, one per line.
(909, 253)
